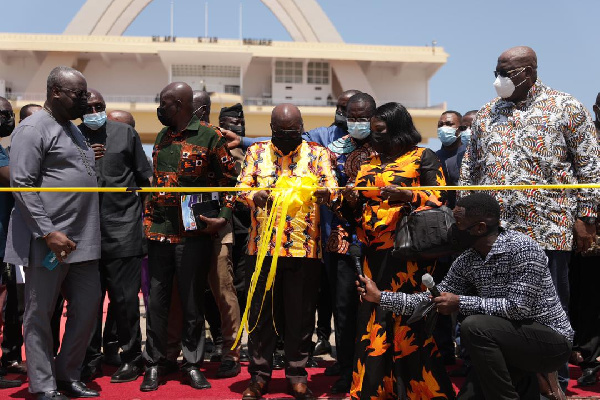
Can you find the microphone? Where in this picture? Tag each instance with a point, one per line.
(430, 284)
(355, 253)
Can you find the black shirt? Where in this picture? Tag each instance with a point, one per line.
(124, 165)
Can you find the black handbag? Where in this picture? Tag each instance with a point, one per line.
(423, 234)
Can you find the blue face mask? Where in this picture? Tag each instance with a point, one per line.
(95, 121)
(359, 130)
(465, 136)
(447, 135)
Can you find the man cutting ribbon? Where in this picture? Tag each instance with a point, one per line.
(290, 307)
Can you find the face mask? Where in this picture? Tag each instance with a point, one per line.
(505, 87)
(287, 145)
(340, 120)
(359, 130)
(462, 239)
(95, 121)
(465, 136)
(161, 113)
(78, 109)
(238, 130)
(447, 135)
(7, 126)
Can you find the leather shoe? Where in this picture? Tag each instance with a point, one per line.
(151, 379)
(16, 367)
(196, 379)
(76, 389)
(229, 369)
(90, 372)
(322, 347)
(588, 377)
(51, 395)
(300, 391)
(311, 363)
(9, 383)
(127, 372)
(549, 386)
(341, 386)
(255, 391)
(278, 361)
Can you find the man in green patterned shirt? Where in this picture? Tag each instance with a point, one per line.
(187, 153)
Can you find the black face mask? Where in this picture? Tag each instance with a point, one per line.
(7, 126)
(238, 130)
(286, 145)
(161, 113)
(341, 121)
(78, 109)
(463, 239)
(381, 143)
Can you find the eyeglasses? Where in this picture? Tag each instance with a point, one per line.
(7, 114)
(94, 108)
(359, 119)
(506, 74)
(287, 133)
(81, 94)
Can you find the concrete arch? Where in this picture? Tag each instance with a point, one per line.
(304, 20)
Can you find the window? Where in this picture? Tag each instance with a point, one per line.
(220, 71)
(318, 73)
(288, 71)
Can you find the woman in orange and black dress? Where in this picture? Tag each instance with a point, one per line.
(393, 359)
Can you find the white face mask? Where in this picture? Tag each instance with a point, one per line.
(505, 87)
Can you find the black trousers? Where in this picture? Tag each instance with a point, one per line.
(290, 307)
(342, 277)
(584, 275)
(507, 354)
(13, 316)
(120, 278)
(324, 303)
(189, 263)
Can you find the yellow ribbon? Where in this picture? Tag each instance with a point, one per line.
(291, 195)
(276, 189)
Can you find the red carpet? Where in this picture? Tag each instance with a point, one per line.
(233, 387)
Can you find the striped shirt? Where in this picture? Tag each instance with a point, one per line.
(513, 282)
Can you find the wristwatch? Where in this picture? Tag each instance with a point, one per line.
(588, 220)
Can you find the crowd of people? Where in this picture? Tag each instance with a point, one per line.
(504, 295)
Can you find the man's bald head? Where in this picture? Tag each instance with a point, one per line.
(175, 109)
(27, 110)
(522, 56)
(122, 116)
(5, 104)
(201, 105)
(286, 116)
(96, 96)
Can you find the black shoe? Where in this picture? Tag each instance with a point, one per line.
(126, 373)
(342, 385)
(90, 372)
(322, 347)
(196, 379)
(76, 389)
(333, 369)
(8, 383)
(589, 377)
(278, 361)
(113, 359)
(312, 363)
(16, 367)
(244, 356)
(151, 379)
(217, 354)
(229, 369)
(51, 395)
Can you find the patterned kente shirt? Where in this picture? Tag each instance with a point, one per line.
(512, 282)
(263, 165)
(549, 138)
(194, 157)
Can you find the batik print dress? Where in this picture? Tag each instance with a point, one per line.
(394, 360)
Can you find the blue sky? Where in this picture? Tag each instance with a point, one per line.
(473, 32)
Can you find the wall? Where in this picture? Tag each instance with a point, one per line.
(406, 84)
(257, 78)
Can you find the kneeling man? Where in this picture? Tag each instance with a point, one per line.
(515, 326)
